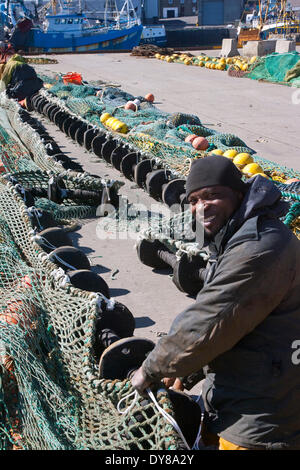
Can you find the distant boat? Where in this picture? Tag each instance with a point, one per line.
(280, 28)
(269, 19)
(69, 31)
(154, 34)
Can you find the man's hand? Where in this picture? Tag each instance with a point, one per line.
(173, 382)
(140, 382)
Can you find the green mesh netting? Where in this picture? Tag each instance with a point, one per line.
(276, 67)
(50, 393)
(51, 397)
(157, 134)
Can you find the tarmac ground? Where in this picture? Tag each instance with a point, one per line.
(261, 114)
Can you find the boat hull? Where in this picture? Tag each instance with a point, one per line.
(153, 34)
(157, 41)
(60, 42)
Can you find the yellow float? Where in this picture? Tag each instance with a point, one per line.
(242, 159)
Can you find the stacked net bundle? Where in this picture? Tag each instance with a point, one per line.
(22, 147)
(51, 397)
(24, 157)
(162, 136)
(277, 68)
(157, 134)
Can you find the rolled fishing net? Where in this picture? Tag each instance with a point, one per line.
(277, 68)
(160, 135)
(51, 397)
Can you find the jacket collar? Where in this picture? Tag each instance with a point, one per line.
(263, 198)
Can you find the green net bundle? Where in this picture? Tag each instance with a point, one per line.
(162, 135)
(51, 397)
(24, 156)
(157, 134)
(277, 68)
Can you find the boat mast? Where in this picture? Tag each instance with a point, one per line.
(128, 5)
(110, 8)
(260, 15)
(267, 11)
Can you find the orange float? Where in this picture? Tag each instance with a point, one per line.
(2, 167)
(190, 138)
(72, 77)
(149, 97)
(200, 143)
(18, 313)
(130, 105)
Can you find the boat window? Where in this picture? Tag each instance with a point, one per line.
(70, 21)
(57, 21)
(76, 20)
(63, 21)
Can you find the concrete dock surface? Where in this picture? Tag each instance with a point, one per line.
(261, 114)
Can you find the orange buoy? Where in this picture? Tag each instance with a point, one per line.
(149, 97)
(72, 77)
(130, 105)
(291, 180)
(18, 313)
(200, 143)
(189, 139)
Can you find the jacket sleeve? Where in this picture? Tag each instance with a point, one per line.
(248, 284)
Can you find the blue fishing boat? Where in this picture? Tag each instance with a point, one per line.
(67, 31)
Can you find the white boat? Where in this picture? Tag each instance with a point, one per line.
(154, 34)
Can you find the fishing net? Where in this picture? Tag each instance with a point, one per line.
(158, 134)
(24, 155)
(161, 136)
(278, 68)
(51, 397)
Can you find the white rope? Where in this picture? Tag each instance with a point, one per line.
(168, 417)
(52, 256)
(39, 240)
(60, 276)
(33, 211)
(98, 297)
(163, 412)
(135, 393)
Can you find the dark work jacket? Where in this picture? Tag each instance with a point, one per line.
(243, 329)
(24, 82)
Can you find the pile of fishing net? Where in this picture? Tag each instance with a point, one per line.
(156, 134)
(159, 134)
(277, 68)
(51, 396)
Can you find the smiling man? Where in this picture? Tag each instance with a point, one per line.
(239, 333)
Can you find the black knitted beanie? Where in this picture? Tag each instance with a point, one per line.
(214, 171)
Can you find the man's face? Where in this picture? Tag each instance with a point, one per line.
(215, 204)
